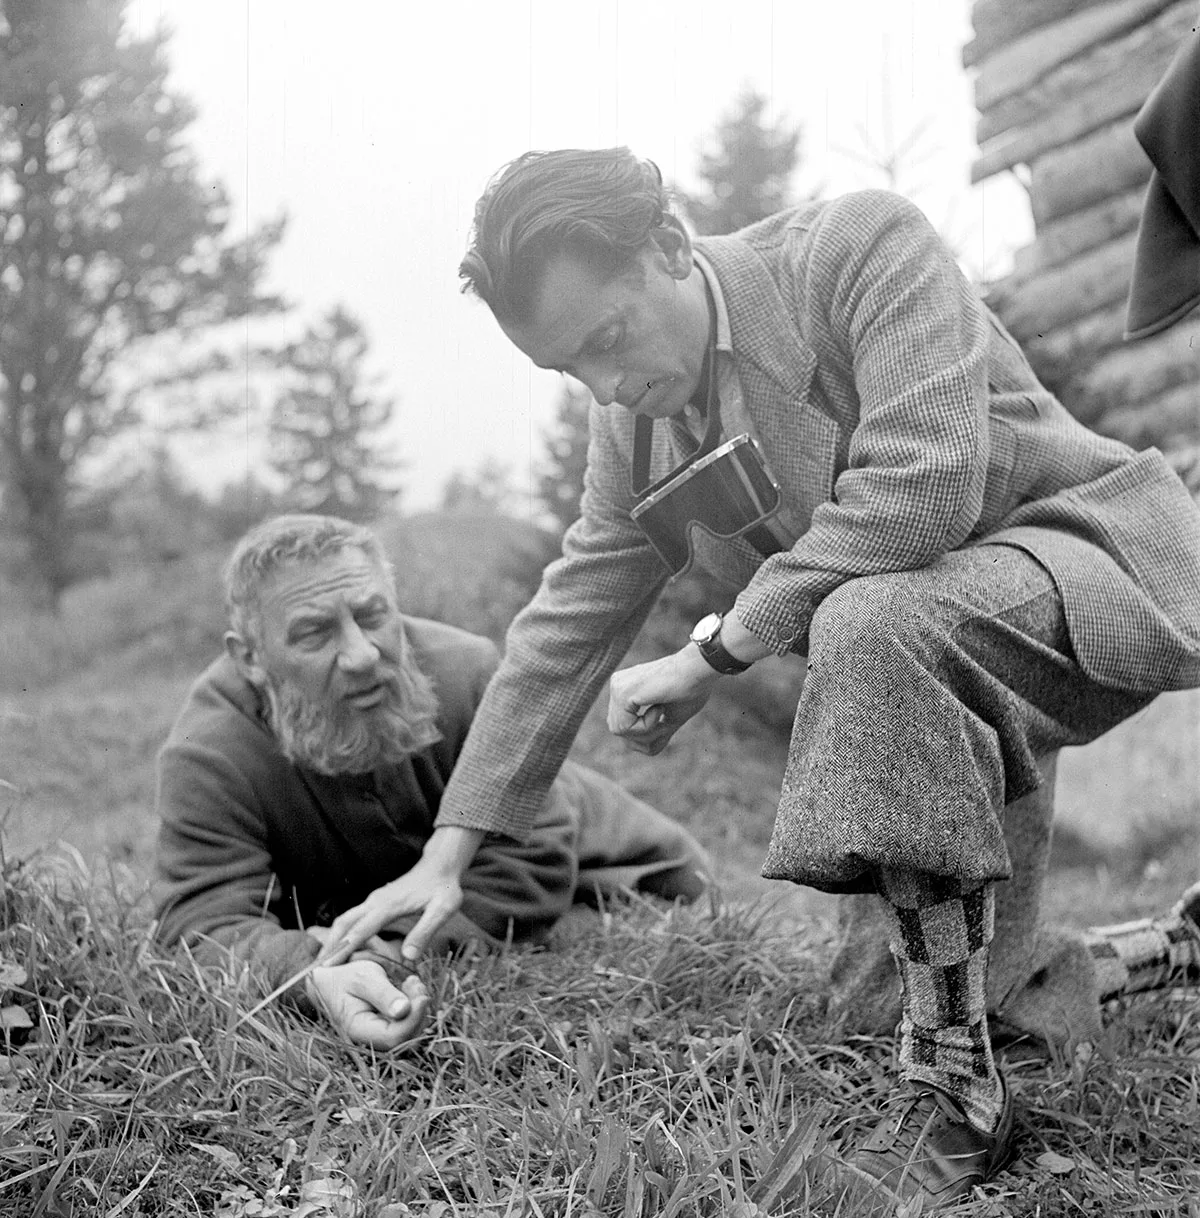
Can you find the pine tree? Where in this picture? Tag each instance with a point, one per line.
(747, 168)
(560, 481)
(489, 489)
(107, 235)
(324, 433)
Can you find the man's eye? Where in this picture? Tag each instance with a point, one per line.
(609, 340)
(372, 619)
(311, 639)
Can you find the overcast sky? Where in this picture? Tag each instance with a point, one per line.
(375, 125)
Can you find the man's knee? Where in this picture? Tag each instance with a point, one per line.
(873, 616)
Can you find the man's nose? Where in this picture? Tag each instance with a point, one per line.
(357, 651)
(604, 383)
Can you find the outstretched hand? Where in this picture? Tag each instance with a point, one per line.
(431, 889)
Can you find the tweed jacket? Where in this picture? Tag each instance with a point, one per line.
(901, 421)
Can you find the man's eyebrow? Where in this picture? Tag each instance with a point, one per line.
(369, 601)
(564, 365)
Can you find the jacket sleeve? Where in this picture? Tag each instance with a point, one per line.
(215, 886)
(896, 318)
(559, 652)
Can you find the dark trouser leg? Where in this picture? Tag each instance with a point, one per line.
(930, 697)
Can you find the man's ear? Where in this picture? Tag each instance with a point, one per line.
(241, 651)
(675, 246)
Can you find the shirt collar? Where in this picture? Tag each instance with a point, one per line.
(724, 336)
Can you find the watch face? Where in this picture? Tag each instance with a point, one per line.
(707, 628)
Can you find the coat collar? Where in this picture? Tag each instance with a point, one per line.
(763, 328)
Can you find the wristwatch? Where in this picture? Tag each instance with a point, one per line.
(706, 634)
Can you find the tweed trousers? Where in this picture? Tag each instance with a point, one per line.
(930, 697)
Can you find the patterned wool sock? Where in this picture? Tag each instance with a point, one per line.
(940, 933)
(1150, 953)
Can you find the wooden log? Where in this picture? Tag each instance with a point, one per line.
(1170, 421)
(1107, 162)
(1030, 57)
(999, 22)
(1079, 340)
(1101, 102)
(1064, 294)
(1157, 38)
(1068, 237)
(1149, 367)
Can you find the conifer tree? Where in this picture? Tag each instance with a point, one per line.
(108, 235)
(325, 433)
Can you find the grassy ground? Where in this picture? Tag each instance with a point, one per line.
(649, 1064)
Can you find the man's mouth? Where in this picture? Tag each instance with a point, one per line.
(368, 696)
(632, 407)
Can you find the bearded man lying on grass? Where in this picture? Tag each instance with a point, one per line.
(306, 768)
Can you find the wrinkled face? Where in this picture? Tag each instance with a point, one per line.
(344, 694)
(637, 339)
(331, 629)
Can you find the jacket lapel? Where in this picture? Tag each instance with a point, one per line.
(777, 369)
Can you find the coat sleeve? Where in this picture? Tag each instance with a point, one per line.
(899, 322)
(559, 652)
(216, 887)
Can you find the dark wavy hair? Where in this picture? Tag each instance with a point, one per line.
(597, 204)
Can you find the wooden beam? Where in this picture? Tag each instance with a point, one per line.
(1149, 367)
(1027, 60)
(1105, 163)
(1103, 101)
(999, 22)
(1061, 240)
(1066, 293)
(1158, 38)
(1087, 337)
(1169, 421)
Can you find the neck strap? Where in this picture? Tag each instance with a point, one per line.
(643, 427)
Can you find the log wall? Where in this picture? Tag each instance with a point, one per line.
(1058, 84)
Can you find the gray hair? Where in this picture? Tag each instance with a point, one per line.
(282, 540)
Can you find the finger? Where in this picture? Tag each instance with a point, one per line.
(347, 934)
(388, 948)
(430, 921)
(383, 1033)
(635, 720)
(398, 1033)
(622, 719)
(374, 986)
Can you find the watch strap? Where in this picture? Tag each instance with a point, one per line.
(714, 651)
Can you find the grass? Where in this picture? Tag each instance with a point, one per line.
(649, 1063)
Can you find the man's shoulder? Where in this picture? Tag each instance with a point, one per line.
(220, 712)
(854, 217)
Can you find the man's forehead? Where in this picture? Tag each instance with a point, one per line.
(571, 302)
(323, 583)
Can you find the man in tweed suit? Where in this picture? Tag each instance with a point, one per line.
(975, 578)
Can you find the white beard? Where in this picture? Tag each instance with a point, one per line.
(344, 739)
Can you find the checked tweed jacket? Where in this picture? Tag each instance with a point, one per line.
(901, 421)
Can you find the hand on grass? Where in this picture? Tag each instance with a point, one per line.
(649, 703)
(359, 999)
(430, 889)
